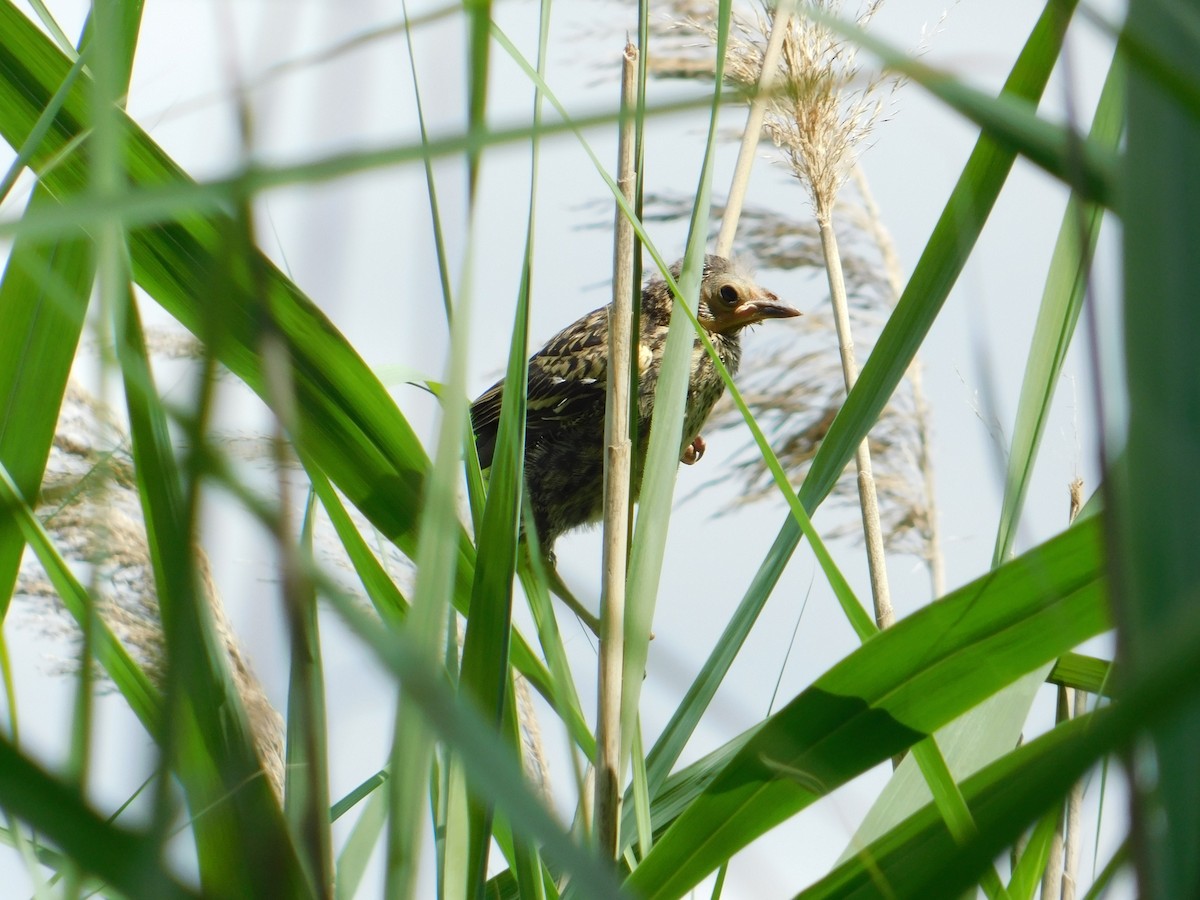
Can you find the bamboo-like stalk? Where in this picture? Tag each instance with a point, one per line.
(753, 130)
(618, 458)
(868, 498)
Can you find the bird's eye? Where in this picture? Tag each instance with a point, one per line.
(729, 294)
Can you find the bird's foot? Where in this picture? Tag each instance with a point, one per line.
(693, 451)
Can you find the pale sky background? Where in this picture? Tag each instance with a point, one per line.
(362, 249)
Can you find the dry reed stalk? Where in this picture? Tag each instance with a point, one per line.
(617, 471)
(1075, 702)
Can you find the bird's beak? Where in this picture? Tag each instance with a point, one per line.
(764, 306)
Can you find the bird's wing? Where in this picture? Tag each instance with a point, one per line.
(566, 377)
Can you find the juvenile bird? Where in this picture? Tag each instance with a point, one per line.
(564, 432)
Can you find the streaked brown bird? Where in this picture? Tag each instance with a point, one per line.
(564, 432)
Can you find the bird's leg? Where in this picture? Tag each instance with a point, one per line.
(548, 568)
(693, 451)
(555, 583)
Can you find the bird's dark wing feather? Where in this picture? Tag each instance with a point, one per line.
(566, 377)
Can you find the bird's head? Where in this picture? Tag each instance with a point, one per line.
(730, 299)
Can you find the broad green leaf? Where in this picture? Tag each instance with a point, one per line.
(985, 733)
(893, 691)
(1156, 486)
(347, 422)
(43, 298)
(1084, 673)
(920, 859)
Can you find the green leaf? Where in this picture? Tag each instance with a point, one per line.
(1084, 673)
(662, 455)
(306, 760)
(1156, 486)
(43, 298)
(485, 673)
(1062, 299)
(490, 765)
(347, 422)
(919, 858)
(128, 862)
(243, 843)
(893, 691)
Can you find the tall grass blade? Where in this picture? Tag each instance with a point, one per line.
(662, 455)
(1157, 484)
(1062, 300)
(243, 843)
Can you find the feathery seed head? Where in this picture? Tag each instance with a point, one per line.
(823, 107)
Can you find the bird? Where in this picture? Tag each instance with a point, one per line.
(567, 388)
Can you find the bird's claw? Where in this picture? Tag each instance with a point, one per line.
(693, 451)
